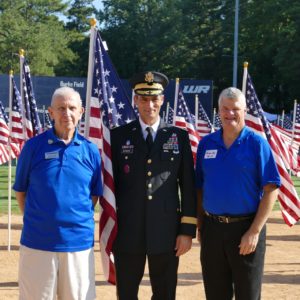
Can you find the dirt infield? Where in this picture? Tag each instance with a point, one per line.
(281, 279)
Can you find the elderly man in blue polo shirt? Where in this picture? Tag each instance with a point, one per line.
(237, 181)
(58, 182)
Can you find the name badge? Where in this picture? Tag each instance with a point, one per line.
(210, 154)
(51, 155)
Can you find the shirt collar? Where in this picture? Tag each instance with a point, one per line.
(52, 138)
(153, 126)
(218, 136)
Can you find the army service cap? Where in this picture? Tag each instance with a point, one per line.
(149, 83)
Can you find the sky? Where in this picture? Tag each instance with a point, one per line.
(97, 4)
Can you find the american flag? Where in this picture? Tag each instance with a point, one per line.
(109, 107)
(170, 115)
(4, 139)
(184, 119)
(4, 130)
(47, 121)
(287, 123)
(81, 125)
(296, 129)
(32, 120)
(286, 127)
(203, 125)
(3, 113)
(255, 119)
(217, 121)
(17, 132)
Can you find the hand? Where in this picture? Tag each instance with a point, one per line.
(248, 242)
(183, 244)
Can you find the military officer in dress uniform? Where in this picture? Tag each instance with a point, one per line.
(155, 194)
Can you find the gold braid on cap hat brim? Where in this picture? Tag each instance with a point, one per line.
(153, 86)
(148, 89)
(148, 92)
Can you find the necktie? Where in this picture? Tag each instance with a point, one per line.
(149, 138)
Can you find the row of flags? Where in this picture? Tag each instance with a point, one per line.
(23, 121)
(108, 106)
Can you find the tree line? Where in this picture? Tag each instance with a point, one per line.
(182, 38)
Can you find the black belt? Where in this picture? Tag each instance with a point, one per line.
(228, 219)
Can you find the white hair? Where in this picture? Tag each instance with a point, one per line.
(64, 91)
(234, 94)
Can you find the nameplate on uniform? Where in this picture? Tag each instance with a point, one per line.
(210, 154)
(171, 144)
(51, 155)
(127, 148)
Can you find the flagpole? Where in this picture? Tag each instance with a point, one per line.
(9, 160)
(282, 118)
(294, 120)
(176, 99)
(236, 36)
(167, 112)
(132, 98)
(93, 23)
(214, 117)
(245, 77)
(21, 55)
(44, 118)
(196, 111)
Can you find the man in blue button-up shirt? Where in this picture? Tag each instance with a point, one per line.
(237, 181)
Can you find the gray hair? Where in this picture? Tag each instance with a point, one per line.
(232, 93)
(64, 91)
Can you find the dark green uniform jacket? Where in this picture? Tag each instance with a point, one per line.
(155, 192)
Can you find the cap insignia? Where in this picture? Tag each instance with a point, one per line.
(149, 77)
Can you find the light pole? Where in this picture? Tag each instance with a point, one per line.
(235, 50)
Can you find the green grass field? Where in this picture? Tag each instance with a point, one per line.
(14, 206)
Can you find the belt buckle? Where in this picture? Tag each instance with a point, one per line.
(223, 219)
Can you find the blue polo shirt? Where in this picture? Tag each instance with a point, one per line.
(59, 181)
(233, 179)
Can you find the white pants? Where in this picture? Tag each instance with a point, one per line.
(44, 274)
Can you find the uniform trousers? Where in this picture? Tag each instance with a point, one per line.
(225, 271)
(162, 272)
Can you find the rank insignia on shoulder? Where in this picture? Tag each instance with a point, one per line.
(127, 148)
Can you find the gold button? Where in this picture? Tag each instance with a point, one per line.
(149, 173)
(149, 197)
(172, 158)
(149, 185)
(149, 161)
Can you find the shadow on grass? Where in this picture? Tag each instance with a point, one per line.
(8, 284)
(12, 248)
(286, 238)
(277, 278)
(13, 226)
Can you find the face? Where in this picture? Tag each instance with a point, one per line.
(232, 114)
(66, 112)
(149, 107)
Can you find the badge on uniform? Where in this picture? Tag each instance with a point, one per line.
(171, 144)
(210, 154)
(126, 169)
(127, 148)
(51, 155)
